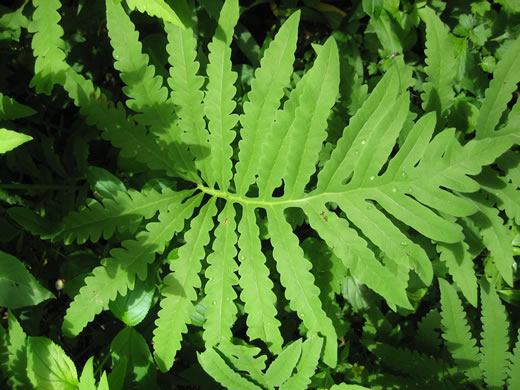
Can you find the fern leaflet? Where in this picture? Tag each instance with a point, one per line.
(494, 338)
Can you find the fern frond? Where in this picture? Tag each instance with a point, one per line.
(509, 162)
(427, 337)
(409, 362)
(307, 365)
(494, 235)
(264, 98)
(187, 96)
(352, 250)
(221, 275)
(459, 261)
(505, 79)
(338, 168)
(494, 338)
(257, 288)
(48, 46)
(215, 366)
(123, 213)
(145, 90)
(300, 290)
(246, 358)
(456, 332)
(118, 273)
(123, 132)
(513, 381)
(307, 132)
(218, 102)
(179, 291)
(158, 8)
(502, 191)
(283, 366)
(440, 59)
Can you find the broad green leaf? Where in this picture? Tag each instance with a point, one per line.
(18, 288)
(103, 183)
(141, 371)
(48, 367)
(10, 140)
(133, 307)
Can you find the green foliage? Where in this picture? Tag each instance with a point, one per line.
(280, 224)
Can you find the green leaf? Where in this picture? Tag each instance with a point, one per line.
(10, 109)
(179, 291)
(215, 366)
(103, 183)
(456, 332)
(514, 367)
(283, 366)
(187, 96)
(132, 346)
(266, 91)
(373, 8)
(498, 95)
(118, 273)
(257, 288)
(122, 211)
(16, 365)
(158, 8)
(48, 367)
(495, 236)
(440, 57)
(221, 275)
(87, 380)
(133, 307)
(48, 46)
(18, 288)
(459, 261)
(244, 358)
(494, 338)
(11, 139)
(218, 102)
(307, 365)
(300, 290)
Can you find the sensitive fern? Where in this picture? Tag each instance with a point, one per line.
(387, 177)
